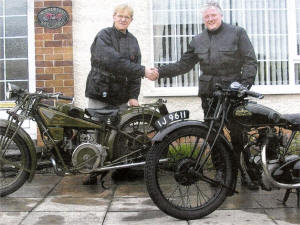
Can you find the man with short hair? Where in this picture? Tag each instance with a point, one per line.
(116, 70)
(225, 54)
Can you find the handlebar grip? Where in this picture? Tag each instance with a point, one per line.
(65, 97)
(255, 94)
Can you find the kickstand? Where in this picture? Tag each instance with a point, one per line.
(298, 197)
(286, 196)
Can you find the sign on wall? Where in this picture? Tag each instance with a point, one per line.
(53, 17)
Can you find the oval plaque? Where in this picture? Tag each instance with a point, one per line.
(53, 17)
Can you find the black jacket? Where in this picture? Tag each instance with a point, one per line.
(116, 72)
(224, 55)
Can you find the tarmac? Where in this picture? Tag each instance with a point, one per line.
(50, 199)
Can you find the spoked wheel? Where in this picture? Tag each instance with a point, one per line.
(172, 181)
(141, 127)
(15, 159)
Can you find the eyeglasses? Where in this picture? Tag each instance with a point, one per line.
(120, 17)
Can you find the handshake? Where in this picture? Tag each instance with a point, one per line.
(151, 73)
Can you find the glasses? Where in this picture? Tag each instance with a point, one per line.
(121, 17)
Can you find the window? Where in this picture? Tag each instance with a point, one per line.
(270, 24)
(16, 39)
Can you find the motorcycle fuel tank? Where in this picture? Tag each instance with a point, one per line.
(253, 114)
(55, 118)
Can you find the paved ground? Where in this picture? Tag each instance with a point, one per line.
(54, 200)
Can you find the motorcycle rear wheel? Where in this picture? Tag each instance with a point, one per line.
(172, 186)
(12, 177)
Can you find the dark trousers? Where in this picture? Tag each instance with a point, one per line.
(236, 133)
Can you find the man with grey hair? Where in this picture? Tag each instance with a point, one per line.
(225, 54)
(116, 70)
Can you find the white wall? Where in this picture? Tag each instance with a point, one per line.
(91, 16)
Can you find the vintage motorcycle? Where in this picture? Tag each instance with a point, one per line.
(76, 141)
(192, 167)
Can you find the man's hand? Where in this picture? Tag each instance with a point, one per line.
(133, 102)
(151, 73)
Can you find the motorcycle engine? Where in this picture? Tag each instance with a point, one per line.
(88, 156)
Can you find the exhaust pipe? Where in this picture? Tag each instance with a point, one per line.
(269, 177)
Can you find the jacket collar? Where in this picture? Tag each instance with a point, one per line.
(120, 34)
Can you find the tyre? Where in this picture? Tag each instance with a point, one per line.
(175, 187)
(11, 177)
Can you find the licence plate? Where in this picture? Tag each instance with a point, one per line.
(171, 117)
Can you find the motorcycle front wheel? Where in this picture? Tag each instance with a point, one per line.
(172, 184)
(16, 156)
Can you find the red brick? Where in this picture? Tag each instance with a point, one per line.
(39, 44)
(68, 91)
(39, 70)
(67, 3)
(44, 77)
(38, 4)
(44, 36)
(67, 43)
(40, 51)
(39, 30)
(67, 29)
(40, 84)
(52, 70)
(52, 3)
(39, 57)
(63, 63)
(68, 69)
(54, 57)
(68, 57)
(62, 36)
(54, 83)
(43, 63)
(56, 31)
(53, 43)
(68, 83)
(63, 76)
(67, 50)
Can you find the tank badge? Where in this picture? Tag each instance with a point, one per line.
(242, 112)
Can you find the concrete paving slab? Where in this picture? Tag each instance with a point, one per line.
(235, 217)
(130, 190)
(141, 218)
(132, 204)
(240, 201)
(81, 191)
(29, 191)
(44, 179)
(8, 204)
(62, 204)
(285, 215)
(64, 218)
(9, 218)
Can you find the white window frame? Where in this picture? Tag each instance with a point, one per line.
(291, 88)
(29, 126)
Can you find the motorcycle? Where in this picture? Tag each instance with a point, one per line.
(76, 141)
(192, 166)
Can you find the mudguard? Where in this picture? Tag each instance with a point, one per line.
(125, 116)
(30, 146)
(185, 123)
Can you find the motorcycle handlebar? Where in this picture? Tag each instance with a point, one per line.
(65, 97)
(254, 94)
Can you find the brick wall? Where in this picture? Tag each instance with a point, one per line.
(54, 52)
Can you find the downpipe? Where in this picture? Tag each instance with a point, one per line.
(270, 178)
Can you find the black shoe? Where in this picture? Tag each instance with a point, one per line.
(249, 184)
(90, 180)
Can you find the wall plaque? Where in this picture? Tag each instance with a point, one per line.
(52, 17)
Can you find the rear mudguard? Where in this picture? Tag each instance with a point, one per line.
(30, 146)
(127, 115)
(195, 123)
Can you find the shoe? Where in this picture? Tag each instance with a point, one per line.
(90, 180)
(249, 184)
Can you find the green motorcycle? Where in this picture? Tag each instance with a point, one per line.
(76, 141)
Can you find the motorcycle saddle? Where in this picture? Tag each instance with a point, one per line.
(108, 111)
(292, 118)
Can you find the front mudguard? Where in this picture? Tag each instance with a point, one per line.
(29, 143)
(125, 116)
(195, 123)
